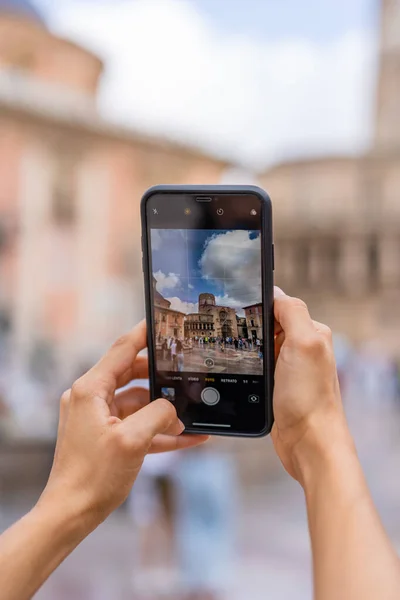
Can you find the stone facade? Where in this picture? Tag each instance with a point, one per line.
(197, 325)
(254, 321)
(242, 327)
(211, 320)
(224, 317)
(168, 323)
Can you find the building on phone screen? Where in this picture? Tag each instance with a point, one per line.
(243, 331)
(168, 322)
(197, 325)
(212, 320)
(254, 320)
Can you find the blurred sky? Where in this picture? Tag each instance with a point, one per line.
(255, 80)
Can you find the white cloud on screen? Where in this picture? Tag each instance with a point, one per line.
(235, 260)
(165, 281)
(185, 307)
(170, 71)
(231, 303)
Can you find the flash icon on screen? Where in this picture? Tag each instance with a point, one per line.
(155, 211)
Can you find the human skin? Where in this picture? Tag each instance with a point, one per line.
(353, 557)
(103, 438)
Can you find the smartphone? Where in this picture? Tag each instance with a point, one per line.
(208, 260)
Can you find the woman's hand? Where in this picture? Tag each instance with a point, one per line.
(352, 555)
(307, 402)
(103, 436)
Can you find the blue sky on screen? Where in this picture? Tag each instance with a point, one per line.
(256, 81)
(226, 263)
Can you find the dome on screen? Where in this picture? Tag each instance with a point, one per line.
(23, 8)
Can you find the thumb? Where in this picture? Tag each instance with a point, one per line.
(157, 417)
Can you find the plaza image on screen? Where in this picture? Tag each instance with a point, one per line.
(207, 301)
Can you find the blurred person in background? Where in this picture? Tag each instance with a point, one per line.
(205, 516)
(103, 439)
(183, 506)
(152, 507)
(373, 376)
(344, 356)
(5, 417)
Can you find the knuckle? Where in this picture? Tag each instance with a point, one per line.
(128, 444)
(123, 340)
(65, 398)
(80, 389)
(312, 345)
(123, 443)
(327, 332)
(298, 303)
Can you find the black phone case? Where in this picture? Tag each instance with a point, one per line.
(267, 265)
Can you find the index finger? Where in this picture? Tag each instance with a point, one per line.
(292, 315)
(117, 367)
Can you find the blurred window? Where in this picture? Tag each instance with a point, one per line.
(332, 249)
(3, 237)
(373, 198)
(64, 191)
(373, 262)
(303, 263)
(5, 321)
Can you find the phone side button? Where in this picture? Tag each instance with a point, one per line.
(273, 257)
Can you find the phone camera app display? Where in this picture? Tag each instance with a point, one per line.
(207, 301)
(254, 399)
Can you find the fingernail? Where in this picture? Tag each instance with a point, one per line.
(278, 292)
(181, 425)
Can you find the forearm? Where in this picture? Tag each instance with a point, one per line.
(352, 554)
(34, 547)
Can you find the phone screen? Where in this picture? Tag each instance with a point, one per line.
(208, 327)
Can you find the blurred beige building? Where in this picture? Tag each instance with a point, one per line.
(337, 218)
(70, 186)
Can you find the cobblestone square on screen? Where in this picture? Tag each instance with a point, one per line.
(230, 360)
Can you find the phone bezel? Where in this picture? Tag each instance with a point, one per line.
(267, 265)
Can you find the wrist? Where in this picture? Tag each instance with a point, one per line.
(63, 514)
(325, 443)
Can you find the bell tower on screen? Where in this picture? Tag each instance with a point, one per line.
(387, 129)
